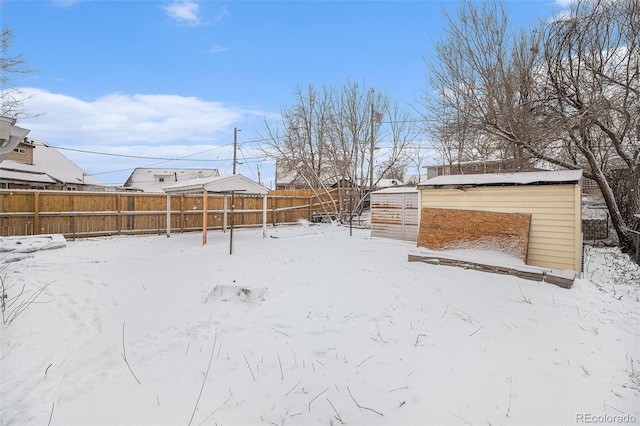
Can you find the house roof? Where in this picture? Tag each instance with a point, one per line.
(47, 161)
(220, 184)
(387, 183)
(522, 178)
(469, 162)
(7, 172)
(147, 179)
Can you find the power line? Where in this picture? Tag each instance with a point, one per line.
(144, 157)
(186, 158)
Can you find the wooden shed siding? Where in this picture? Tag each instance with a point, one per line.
(554, 239)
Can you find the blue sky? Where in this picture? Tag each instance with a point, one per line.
(171, 79)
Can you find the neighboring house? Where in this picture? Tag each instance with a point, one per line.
(347, 183)
(475, 167)
(292, 179)
(413, 180)
(388, 183)
(155, 179)
(288, 178)
(35, 165)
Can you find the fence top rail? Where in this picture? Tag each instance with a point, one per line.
(63, 192)
(306, 197)
(134, 194)
(140, 212)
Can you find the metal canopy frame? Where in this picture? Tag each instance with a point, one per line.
(226, 185)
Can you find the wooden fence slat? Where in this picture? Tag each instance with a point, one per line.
(83, 214)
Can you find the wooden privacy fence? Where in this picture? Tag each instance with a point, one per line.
(85, 214)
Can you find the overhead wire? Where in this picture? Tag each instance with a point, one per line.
(186, 158)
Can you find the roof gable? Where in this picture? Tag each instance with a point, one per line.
(219, 184)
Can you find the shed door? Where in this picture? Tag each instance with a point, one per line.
(395, 215)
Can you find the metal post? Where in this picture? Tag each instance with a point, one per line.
(205, 211)
(264, 216)
(235, 150)
(231, 218)
(168, 215)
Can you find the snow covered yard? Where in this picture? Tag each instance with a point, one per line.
(310, 327)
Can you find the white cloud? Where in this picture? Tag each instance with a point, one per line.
(184, 11)
(222, 12)
(217, 49)
(562, 10)
(166, 126)
(66, 3)
(564, 3)
(119, 118)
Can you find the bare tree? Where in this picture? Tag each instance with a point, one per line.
(299, 143)
(462, 80)
(593, 83)
(400, 133)
(418, 153)
(12, 100)
(327, 138)
(565, 93)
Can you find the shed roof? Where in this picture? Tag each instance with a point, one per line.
(236, 183)
(396, 190)
(499, 179)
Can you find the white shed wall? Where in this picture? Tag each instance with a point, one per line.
(395, 215)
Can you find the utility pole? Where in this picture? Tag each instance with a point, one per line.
(372, 148)
(235, 147)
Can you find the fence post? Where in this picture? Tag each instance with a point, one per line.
(118, 213)
(224, 213)
(273, 211)
(98, 213)
(182, 213)
(36, 213)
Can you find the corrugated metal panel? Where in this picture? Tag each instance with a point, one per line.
(554, 236)
(394, 214)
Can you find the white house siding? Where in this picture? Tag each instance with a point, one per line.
(394, 214)
(555, 233)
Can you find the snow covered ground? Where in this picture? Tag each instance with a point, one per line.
(308, 326)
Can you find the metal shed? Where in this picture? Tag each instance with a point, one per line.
(394, 213)
(553, 200)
